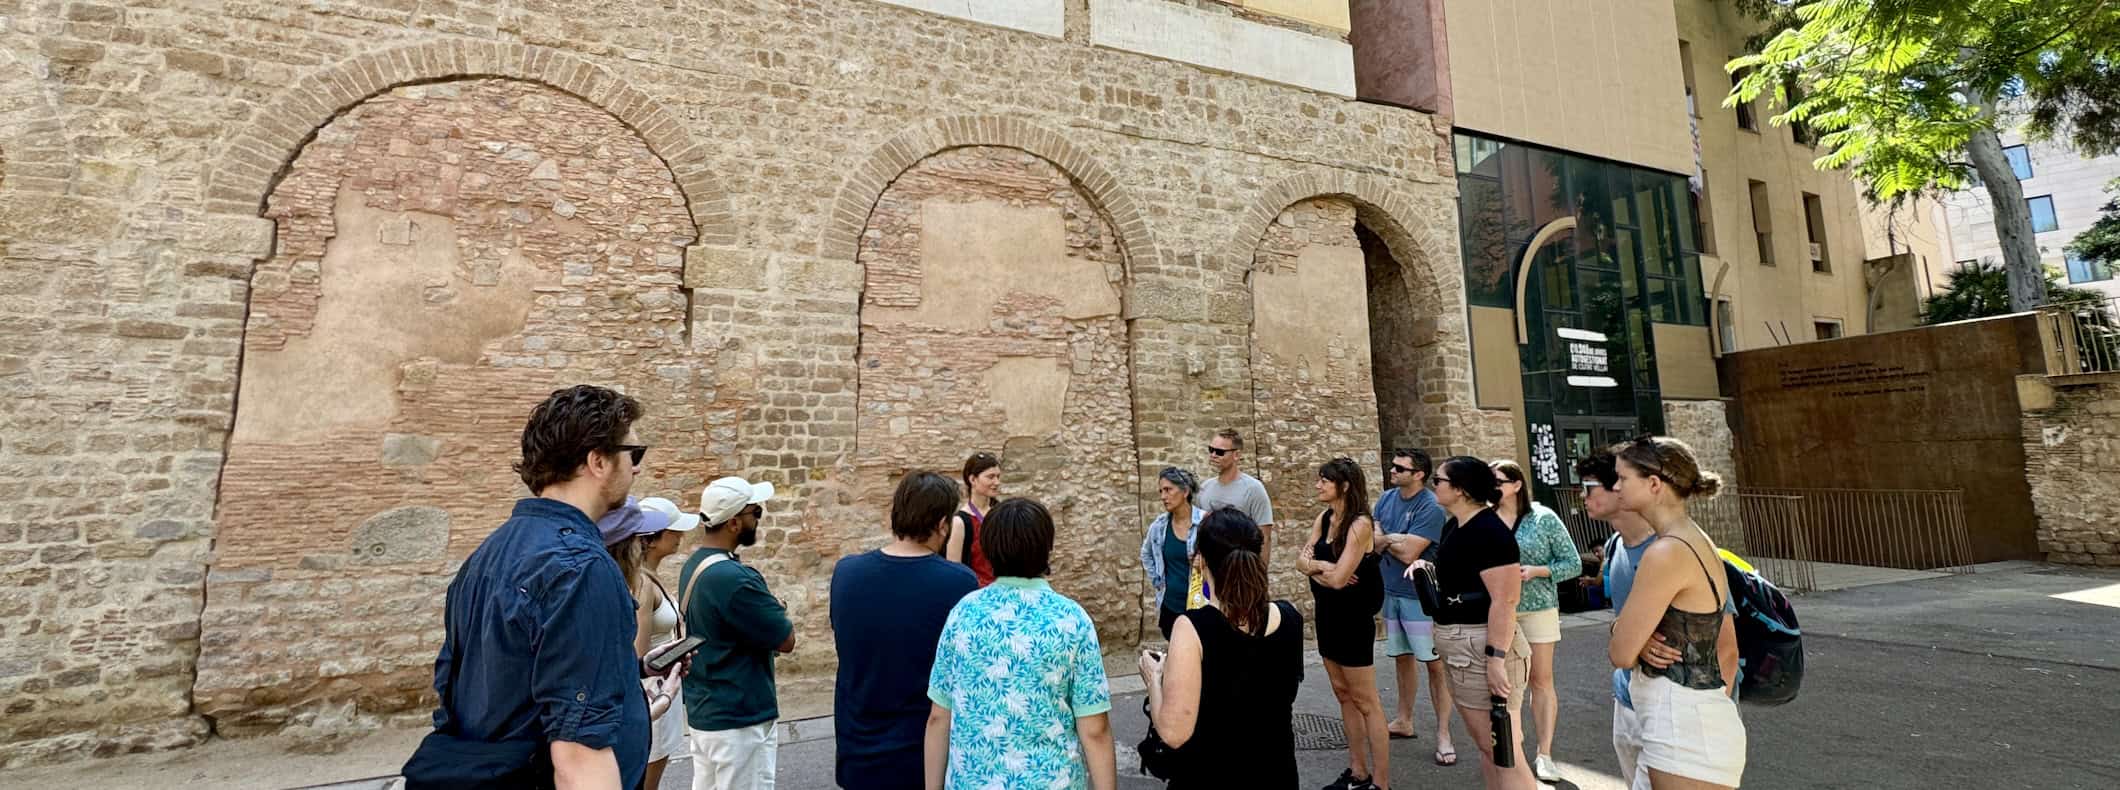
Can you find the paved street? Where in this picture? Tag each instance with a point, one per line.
(1974, 681)
(1988, 680)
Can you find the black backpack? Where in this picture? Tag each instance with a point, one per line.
(1769, 642)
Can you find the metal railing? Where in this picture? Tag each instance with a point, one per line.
(2081, 337)
(1784, 532)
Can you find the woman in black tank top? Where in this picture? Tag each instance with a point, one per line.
(1225, 696)
(1689, 727)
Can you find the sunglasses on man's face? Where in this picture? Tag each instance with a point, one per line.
(638, 451)
(1404, 470)
(1218, 452)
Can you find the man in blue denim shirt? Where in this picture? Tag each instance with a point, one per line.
(538, 681)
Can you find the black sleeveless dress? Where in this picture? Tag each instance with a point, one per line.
(1246, 735)
(1347, 629)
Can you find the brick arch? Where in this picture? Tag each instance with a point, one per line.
(858, 196)
(246, 171)
(1429, 255)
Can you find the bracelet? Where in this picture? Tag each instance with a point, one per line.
(1493, 653)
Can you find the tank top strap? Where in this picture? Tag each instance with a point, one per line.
(1719, 598)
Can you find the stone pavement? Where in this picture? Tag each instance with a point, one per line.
(2001, 679)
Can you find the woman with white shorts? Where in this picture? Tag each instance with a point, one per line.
(1691, 735)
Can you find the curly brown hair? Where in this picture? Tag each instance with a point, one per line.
(567, 427)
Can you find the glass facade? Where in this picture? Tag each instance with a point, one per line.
(1615, 254)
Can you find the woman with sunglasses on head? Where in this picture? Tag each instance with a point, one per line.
(1342, 567)
(1478, 584)
(1546, 557)
(982, 483)
(1691, 735)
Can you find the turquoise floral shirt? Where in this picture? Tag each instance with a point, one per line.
(1541, 539)
(1016, 665)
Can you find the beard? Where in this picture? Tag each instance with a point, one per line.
(748, 537)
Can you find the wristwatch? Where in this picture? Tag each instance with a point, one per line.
(1493, 653)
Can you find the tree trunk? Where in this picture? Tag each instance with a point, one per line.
(2013, 219)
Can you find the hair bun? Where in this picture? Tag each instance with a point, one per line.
(1707, 486)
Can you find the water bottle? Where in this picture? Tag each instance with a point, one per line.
(1504, 735)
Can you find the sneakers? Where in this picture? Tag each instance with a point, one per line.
(1543, 768)
(1347, 781)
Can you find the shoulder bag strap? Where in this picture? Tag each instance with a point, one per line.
(693, 583)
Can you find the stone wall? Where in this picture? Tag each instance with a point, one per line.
(1704, 425)
(991, 321)
(1310, 369)
(176, 173)
(2072, 453)
(447, 255)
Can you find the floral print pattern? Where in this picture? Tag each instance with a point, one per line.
(1016, 665)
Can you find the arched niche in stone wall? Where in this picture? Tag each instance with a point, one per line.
(992, 318)
(1358, 343)
(448, 253)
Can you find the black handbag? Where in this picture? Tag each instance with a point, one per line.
(1425, 589)
(1158, 759)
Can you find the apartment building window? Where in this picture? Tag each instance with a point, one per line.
(1798, 130)
(2043, 218)
(2082, 271)
(1685, 70)
(1825, 329)
(1814, 220)
(1762, 223)
(1745, 120)
(1703, 218)
(1726, 325)
(2020, 161)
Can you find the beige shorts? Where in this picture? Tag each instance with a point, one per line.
(1464, 654)
(1542, 627)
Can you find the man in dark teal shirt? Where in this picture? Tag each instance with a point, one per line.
(538, 682)
(730, 702)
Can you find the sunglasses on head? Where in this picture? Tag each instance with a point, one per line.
(1218, 452)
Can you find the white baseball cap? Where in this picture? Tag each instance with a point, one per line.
(679, 520)
(728, 496)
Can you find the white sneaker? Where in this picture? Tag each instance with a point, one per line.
(1543, 768)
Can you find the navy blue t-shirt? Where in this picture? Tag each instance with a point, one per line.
(887, 613)
(537, 647)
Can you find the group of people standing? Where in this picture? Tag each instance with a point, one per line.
(960, 666)
(1492, 560)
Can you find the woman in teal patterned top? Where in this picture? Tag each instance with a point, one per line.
(1548, 558)
(1019, 695)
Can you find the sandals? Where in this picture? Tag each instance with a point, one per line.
(1446, 757)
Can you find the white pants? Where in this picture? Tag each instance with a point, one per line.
(1626, 740)
(739, 759)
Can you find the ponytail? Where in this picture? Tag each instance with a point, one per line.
(1240, 586)
(1231, 544)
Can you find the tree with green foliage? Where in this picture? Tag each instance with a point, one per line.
(2100, 244)
(1909, 94)
(1981, 289)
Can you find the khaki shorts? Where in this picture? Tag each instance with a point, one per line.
(1464, 654)
(1542, 627)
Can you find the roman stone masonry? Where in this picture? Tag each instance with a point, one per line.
(2072, 453)
(1310, 366)
(991, 321)
(1704, 425)
(447, 255)
(279, 283)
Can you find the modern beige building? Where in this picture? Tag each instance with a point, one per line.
(1622, 228)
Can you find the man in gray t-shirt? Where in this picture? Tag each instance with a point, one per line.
(1234, 488)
